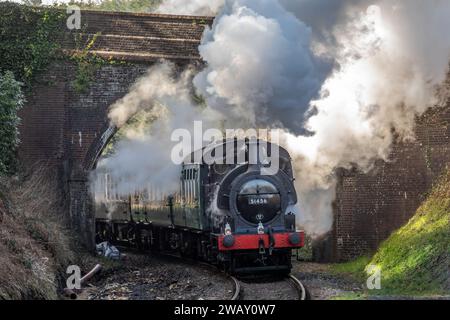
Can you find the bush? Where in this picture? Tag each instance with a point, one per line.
(11, 100)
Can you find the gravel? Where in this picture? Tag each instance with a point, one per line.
(156, 278)
(268, 289)
(145, 277)
(322, 284)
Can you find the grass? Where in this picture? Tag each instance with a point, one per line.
(306, 252)
(350, 296)
(35, 248)
(353, 268)
(414, 260)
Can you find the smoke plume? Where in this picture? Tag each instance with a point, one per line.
(260, 66)
(389, 72)
(142, 159)
(339, 77)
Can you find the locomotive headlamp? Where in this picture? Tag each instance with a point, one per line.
(294, 238)
(228, 241)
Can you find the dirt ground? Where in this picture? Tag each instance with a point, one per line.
(141, 277)
(268, 289)
(322, 284)
(146, 277)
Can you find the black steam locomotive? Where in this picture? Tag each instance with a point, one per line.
(231, 215)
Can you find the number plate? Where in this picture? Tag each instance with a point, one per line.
(257, 201)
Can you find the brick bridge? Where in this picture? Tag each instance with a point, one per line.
(68, 130)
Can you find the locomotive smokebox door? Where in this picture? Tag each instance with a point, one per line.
(258, 201)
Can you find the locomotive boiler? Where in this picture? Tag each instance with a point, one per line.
(227, 212)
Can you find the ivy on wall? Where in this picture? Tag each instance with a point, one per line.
(118, 5)
(27, 50)
(28, 43)
(11, 100)
(30, 40)
(87, 62)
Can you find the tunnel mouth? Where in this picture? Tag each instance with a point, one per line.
(110, 204)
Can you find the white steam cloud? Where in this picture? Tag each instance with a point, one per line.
(260, 66)
(338, 76)
(142, 160)
(389, 72)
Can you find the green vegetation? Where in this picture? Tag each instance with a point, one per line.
(86, 62)
(414, 260)
(137, 125)
(11, 100)
(354, 268)
(119, 5)
(27, 51)
(350, 296)
(24, 52)
(306, 253)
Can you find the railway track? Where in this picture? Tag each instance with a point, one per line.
(301, 289)
(237, 289)
(256, 288)
(287, 288)
(283, 284)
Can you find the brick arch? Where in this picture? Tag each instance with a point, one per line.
(97, 147)
(81, 199)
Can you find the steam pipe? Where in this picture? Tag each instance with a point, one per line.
(90, 274)
(72, 293)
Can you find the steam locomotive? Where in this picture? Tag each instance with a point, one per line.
(227, 213)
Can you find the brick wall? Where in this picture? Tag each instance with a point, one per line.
(140, 37)
(369, 207)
